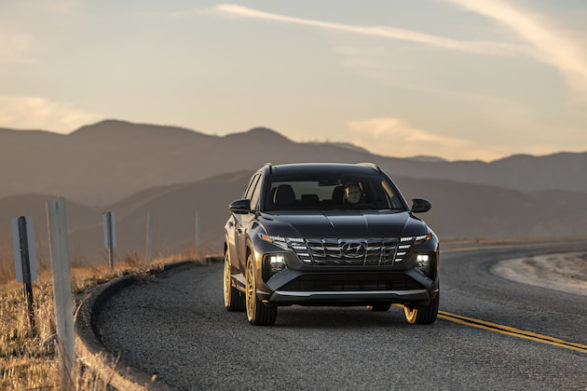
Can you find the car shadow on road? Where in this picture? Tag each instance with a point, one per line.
(339, 317)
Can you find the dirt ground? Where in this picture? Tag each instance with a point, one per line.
(563, 272)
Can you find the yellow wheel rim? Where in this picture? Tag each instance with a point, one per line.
(250, 290)
(411, 314)
(227, 281)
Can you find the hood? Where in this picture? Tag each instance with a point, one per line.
(342, 224)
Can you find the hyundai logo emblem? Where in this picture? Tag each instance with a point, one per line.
(353, 249)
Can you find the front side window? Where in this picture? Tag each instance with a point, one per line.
(250, 187)
(331, 192)
(256, 193)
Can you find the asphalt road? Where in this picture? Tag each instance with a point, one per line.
(176, 327)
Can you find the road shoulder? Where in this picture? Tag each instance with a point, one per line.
(565, 272)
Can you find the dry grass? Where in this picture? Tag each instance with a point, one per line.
(27, 358)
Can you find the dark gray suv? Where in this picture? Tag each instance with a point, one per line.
(328, 234)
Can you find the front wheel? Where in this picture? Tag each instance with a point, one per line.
(258, 313)
(423, 314)
(233, 299)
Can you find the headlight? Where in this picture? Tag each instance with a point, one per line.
(277, 240)
(415, 239)
(281, 241)
(405, 244)
(423, 238)
(272, 239)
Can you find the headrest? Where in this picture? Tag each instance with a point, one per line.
(284, 195)
(337, 194)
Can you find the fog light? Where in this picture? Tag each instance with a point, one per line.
(423, 259)
(424, 262)
(277, 262)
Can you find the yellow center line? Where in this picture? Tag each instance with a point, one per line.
(508, 328)
(498, 328)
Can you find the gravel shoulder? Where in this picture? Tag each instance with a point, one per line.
(561, 272)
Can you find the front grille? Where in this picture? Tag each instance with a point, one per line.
(350, 251)
(341, 283)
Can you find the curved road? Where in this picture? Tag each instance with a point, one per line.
(176, 327)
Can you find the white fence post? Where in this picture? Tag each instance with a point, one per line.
(57, 226)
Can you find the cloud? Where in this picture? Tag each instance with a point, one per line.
(26, 112)
(376, 31)
(550, 46)
(545, 43)
(393, 137)
(180, 14)
(14, 47)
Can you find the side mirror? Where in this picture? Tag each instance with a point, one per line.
(420, 206)
(240, 206)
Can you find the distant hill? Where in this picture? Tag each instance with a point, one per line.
(78, 217)
(104, 162)
(428, 159)
(459, 211)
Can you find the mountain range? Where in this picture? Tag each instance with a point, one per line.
(102, 163)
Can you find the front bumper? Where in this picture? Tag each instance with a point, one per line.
(416, 296)
(345, 284)
(355, 287)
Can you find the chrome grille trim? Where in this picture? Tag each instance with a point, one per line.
(358, 252)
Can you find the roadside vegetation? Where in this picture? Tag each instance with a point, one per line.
(28, 359)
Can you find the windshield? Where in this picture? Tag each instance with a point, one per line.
(329, 192)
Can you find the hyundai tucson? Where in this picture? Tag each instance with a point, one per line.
(328, 234)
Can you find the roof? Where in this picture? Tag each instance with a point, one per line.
(322, 168)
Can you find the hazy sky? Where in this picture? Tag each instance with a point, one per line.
(452, 78)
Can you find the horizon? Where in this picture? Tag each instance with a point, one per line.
(292, 140)
(457, 79)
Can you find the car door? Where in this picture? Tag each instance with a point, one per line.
(241, 223)
(249, 221)
(232, 225)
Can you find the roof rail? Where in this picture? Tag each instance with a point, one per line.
(372, 165)
(269, 166)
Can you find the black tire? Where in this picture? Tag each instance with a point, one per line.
(379, 307)
(234, 300)
(423, 314)
(258, 313)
